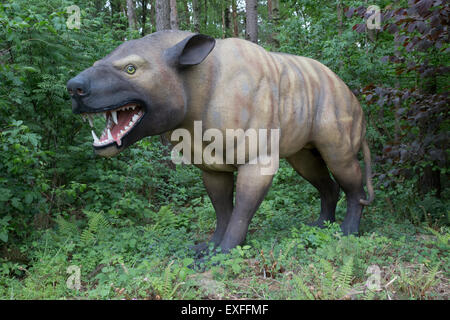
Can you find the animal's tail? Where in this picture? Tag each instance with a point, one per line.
(368, 169)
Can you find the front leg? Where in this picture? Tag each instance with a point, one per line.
(220, 187)
(251, 188)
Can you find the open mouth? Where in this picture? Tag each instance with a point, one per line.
(119, 122)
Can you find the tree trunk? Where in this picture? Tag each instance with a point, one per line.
(196, 15)
(131, 14)
(115, 9)
(339, 27)
(173, 15)
(152, 14)
(235, 22)
(251, 31)
(275, 15)
(276, 10)
(163, 23)
(223, 22)
(162, 15)
(206, 13)
(143, 16)
(227, 20)
(269, 10)
(187, 13)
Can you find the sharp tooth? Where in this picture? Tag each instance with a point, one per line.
(114, 116)
(90, 120)
(105, 116)
(131, 123)
(132, 107)
(110, 137)
(127, 127)
(135, 117)
(94, 136)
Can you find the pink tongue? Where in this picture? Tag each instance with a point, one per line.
(123, 119)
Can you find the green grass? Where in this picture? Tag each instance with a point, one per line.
(144, 255)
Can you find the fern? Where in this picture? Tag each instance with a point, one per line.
(166, 286)
(430, 279)
(336, 284)
(344, 277)
(369, 295)
(328, 279)
(66, 228)
(96, 223)
(305, 292)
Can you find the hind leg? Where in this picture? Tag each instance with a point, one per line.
(310, 165)
(347, 172)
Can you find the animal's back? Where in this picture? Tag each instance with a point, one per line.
(302, 97)
(315, 106)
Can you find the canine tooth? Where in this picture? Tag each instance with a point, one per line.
(110, 137)
(90, 120)
(114, 116)
(94, 136)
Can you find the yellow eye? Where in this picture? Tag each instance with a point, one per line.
(130, 69)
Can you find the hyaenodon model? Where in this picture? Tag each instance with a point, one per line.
(170, 79)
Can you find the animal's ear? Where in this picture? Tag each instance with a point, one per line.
(191, 51)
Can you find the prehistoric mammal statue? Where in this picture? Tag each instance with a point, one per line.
(170, 79)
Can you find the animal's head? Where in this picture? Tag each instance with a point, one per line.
(138, 88)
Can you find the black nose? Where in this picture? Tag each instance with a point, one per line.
(78, 86)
